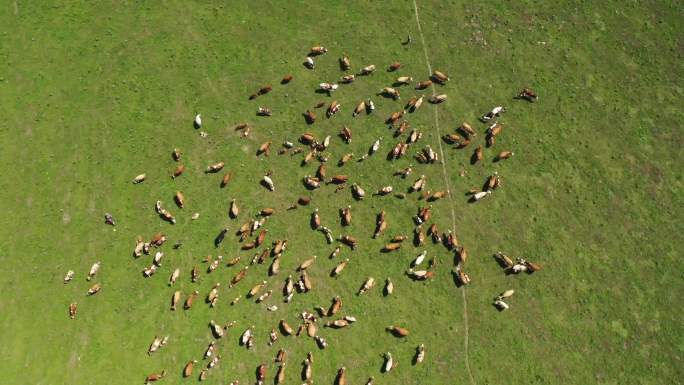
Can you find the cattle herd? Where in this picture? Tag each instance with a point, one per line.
(253, 233)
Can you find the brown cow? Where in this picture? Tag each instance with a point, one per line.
(397, 331)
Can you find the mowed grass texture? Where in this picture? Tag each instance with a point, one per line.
(94, 94)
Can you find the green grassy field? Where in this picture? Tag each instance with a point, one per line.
(93, 94)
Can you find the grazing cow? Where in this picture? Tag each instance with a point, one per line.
(286, 79)
(420, 275)
(439, 77)
(390, 93)
(436, 195)
(434, 232)
(307, 370)
(310, 117)
(285, 328)
(367, 70)
(397, 331)
(180, 199)
(321, 342)
(154, 346)
(467, 130)
(367, 285)
(423, 215)
(239, 276)
(420, 354)
(69, 276)
(93, 270)
(335, 306)
(264, 148)
(532, 267)
(149, 271)
(139, 179)
(528, 95)
(335, 252)
(393, 246)
(261, 374)
(275, 266)
(309, 63)
(333, 108)
(307, 263)
(139, 248)
(402, 128)
(504, 260)
(281, 356)
(462, 277)
(358, 192)
(495, 112)
(215, 167)
(345, 63)
(95, 289)
(256, 289)
(346, 79)
(461, 255)
(318, 50)
(194, 274)
(349, 241)
(345, 159)
(264, 90)
(389, 287)
(370, 106)
(246, 335)
(414, 104)
(403, 80)
(155, 376)
(419, 259)
(436, 99)
(395, 117)
(337, 324)
(338, 179)
(174, 277)
(380, 224)
(419, 184)
(389, 362)
(174, 299)
(394, 66)
(493, 182)
(384, 191)
(273, 336)
(341, 378)
(423, 85)
(359, 108)
(479, 195)
(315, 220)
(346, 216)
(176, 154)
(178, 171)
(187, 370)
(268, 182)
(73, 308)
(264, 111)
(328, 87)
(495, 129)
(338, 269)
(198, 121)
(501, 305)
(189, 301)
(452, 138)
(280, 375)
(478, 155)
(503, 155)
(234, 209)
(216, 329)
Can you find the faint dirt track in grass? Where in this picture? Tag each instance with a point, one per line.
(449, 192)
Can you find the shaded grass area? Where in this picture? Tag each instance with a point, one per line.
(93, 97)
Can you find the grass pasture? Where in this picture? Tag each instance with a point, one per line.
(93, 94)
